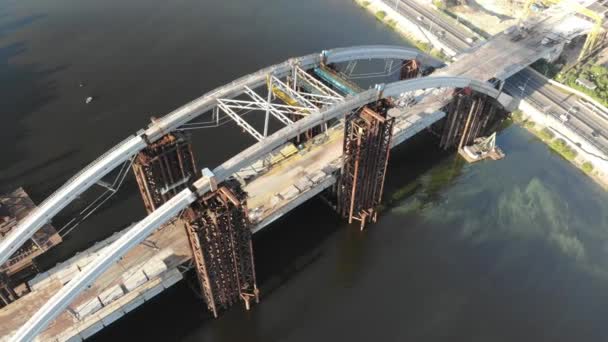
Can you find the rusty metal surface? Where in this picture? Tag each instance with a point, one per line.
(220, 238)
(164, 168)
(367, 137)
(469, 116)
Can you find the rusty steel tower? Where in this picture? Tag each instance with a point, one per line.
(220, 238)
(163, 169)
(367, 141)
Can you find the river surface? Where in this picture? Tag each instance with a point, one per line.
(514, 250)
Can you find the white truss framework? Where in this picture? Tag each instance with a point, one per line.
(277, 110)
(295, 95)
(321, 87)
(239, 121)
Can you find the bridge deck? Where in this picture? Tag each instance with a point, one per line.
(502, 57)
(170, 243)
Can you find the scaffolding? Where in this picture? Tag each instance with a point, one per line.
(367, 140)
(220, 238)
(409, 69)
(163, 169)
(7, 294)
(468, 116)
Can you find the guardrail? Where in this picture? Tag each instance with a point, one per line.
(589, 139)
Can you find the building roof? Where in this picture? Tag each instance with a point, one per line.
(586, 83)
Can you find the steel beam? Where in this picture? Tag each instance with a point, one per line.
(239, 121)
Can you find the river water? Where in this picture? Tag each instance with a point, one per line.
(514, 250)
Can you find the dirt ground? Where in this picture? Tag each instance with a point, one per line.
(492, 16)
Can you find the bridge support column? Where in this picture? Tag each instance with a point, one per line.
(367, 138)
(163, 169)
(7, 294)
(409, 69)
(220, 238)
(468, 117)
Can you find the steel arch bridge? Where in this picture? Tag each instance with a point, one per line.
(325, 108)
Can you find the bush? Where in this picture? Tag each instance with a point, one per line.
(517, 115)
(439, 4)
(529, 124)
(562, 148)
(559, 144)
(596, 74)
(587, 167)
(569, 153)
(392, 23)
(380, 15)
(546, 134)
(365, 3)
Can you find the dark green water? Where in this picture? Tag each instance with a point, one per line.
(514, 250)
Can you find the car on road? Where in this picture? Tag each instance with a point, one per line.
(517, 38)
(595, 134)
(574, 109)
(470, 40)
(564, 117)
(420, 18)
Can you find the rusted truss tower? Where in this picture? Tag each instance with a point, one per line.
(409, 69)
(367, 140)
(7, 294)
(220, 238)
(468, 116)
(163, 169)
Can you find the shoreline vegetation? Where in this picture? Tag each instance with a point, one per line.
(558, 145)
(545, 134)
(384, 18)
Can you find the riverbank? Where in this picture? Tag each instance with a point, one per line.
(410, 31)
(555, 134)
(573, 151)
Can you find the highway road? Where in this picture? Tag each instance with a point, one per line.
(453, 36)
(590, 124)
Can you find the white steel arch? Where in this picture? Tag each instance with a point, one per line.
(135, 143)
(138, 232)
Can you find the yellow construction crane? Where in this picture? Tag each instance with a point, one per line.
(593, 38)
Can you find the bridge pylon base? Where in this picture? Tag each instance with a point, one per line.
(7, 294)
(468, 117)
(367, 140)
(410, 69)
(220, 238)
(163, 169)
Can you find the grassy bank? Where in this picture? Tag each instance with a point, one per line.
(558, 145)
(383, 17)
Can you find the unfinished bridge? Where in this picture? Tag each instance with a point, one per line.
(334, 136)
